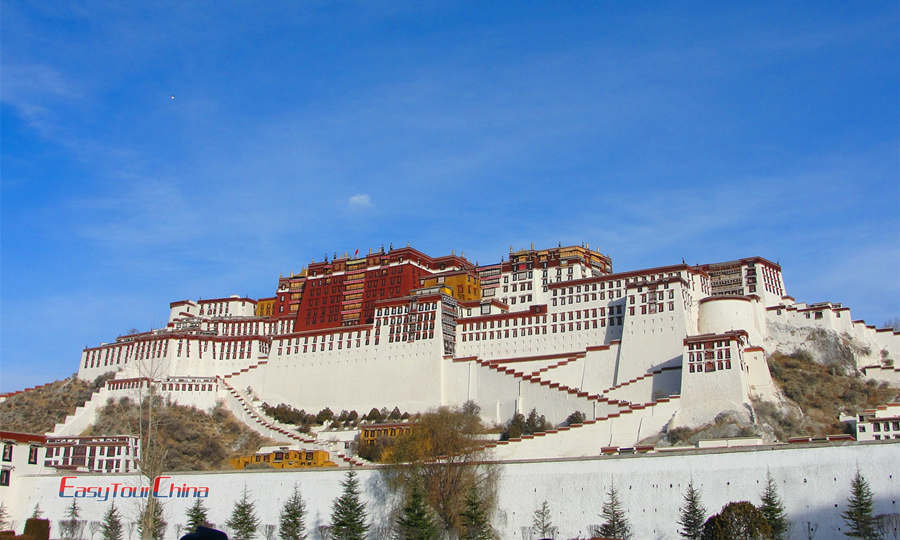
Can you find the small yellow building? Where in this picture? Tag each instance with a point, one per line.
(284, 458)
(265, 307)
(373, 433)
(463, 285)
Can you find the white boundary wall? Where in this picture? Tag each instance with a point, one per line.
(812, 480)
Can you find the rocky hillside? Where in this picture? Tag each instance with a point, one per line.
(812, 393)
(826, 347)
(38, 410)
(816, 393)
(194, 440)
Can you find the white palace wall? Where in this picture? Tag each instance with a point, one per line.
(813, 482)
(723, 314)
(406, 375)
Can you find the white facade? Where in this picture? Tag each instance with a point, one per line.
(567, 337)
(813, 481)
(879, 424)
(118, 453)
(21, 455)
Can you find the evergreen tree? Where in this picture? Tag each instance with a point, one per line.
(516, 427)
(773, 509)
(693, 514)
(416, 521)
(111, 529)
(474, 518)
(243, 522)
(737, 520)
(37, 513)
(535, 423)
(348, 515)
(292, 525)
(155, 522)
(69, 526)
(615, 524)
(859, 509)
(196, 516)
(4, 516)
(540, 523)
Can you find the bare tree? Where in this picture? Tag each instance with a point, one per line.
(151, 460)
(269, 531)
(443, 455)
(811, 529)
(94, 527)
(888, 525)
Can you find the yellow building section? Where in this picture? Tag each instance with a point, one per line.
(285, 459)
(265, 307)
(462, 285)
(373, 433)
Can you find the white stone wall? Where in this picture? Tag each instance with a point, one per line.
(812, 481)
(403, 374)
(19, 471)
(722, 314)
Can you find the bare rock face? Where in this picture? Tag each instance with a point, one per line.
(825, 346)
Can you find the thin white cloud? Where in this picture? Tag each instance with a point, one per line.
(34, 90)
(360, 200)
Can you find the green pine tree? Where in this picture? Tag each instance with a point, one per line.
(773, 509)
(111, 529)
(859, 509)
(540, 522)
(37, 513)
(156, 523)
(693, 514)
(416, 521)
(615, 524)
(348, 514)
(196, 516)
(292, 524)
(474, 519)
(243, 522)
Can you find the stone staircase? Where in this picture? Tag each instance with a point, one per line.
(245, 411)
(83, 416)
(592, 437)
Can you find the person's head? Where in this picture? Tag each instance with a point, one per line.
(205, 533)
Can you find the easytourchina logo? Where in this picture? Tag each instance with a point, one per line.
(163, 488)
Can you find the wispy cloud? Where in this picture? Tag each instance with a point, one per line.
(34, 90)
(360, 200)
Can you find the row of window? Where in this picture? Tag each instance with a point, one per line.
(8, 453)
(219, 308)
(92, 451)
(395, 310)
(885, 426)
(587, 297)
(542, 329)
(702, 367)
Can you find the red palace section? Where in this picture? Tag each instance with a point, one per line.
(343, 292)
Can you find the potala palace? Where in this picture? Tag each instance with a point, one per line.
(556, 330)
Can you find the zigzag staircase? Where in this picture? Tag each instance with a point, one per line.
(260, 423)
(514, 449)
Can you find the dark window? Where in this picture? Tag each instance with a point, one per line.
(33, 455)
(4, 477)
(7, 452)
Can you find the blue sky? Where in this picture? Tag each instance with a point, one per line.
(654, 133)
